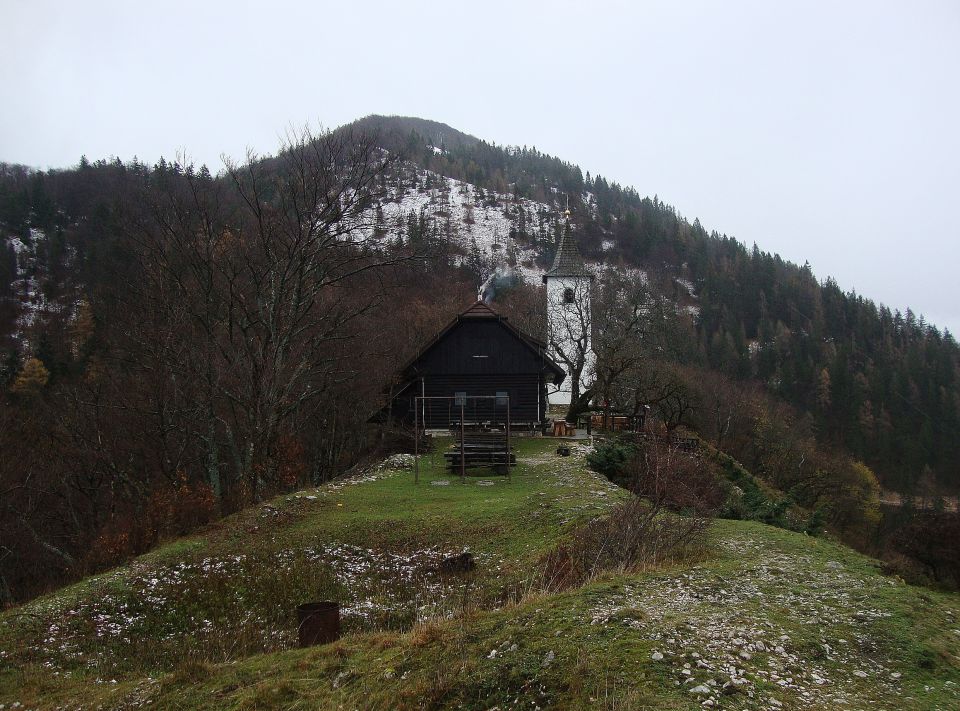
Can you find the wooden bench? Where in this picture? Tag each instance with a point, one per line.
(480, 449)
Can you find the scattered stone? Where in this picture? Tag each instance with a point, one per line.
(700, 689)
(656, 656)
(439, 482)
(547, 659)
(398, 461)
(734, 685)
(484, 482)
(493, 654)
(834, 565)
(860, 673)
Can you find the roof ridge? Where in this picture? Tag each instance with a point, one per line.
(480, 308)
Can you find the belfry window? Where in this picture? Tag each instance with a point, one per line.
(568, 296)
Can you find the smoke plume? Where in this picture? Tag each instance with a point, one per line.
(501, 280)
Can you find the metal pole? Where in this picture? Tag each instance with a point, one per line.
(416, 441)
(463, 456)
(509, 473)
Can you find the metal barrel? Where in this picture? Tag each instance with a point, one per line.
(318, 623)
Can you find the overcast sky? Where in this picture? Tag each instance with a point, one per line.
(827, 132)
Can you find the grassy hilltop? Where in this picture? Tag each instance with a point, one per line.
(761, 618)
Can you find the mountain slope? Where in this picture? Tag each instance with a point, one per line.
(801, 382)
(882, 385)
(879, 384)
(761, 619)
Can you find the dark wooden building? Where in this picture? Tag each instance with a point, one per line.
(480, 353)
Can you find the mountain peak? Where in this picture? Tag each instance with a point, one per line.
(437, 133)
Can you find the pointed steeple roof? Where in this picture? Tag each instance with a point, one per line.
(568, 261)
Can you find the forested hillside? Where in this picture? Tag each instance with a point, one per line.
(883, 384)
(175, 345)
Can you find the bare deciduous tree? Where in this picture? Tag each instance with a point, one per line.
(569, 339)
(243, 288)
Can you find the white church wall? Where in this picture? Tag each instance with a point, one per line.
(569, 333)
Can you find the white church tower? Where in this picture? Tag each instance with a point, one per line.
(569, 284)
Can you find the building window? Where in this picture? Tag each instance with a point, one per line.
(568, 296)
(502, 398)
(460, 399)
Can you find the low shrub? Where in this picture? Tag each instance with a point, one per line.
(930, 538)
(677, 495)
(747, 500)
(672, 478)
(636, 534)
(611, 457)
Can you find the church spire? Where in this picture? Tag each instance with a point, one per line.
(567, 262)
(569, 329)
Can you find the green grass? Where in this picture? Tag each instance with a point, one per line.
(207, 621)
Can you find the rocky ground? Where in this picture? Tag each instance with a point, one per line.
(763, 619)
(784, 627)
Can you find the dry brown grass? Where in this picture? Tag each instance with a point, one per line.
(425, 633)
(634, 536)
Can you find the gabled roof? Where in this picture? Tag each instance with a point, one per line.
(568, 261)
(482, 311)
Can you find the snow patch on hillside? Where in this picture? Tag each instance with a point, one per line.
(487, 230)
(686, 284)
(27, 286)
(468, 219)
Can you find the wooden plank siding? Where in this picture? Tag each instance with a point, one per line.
(476, 347)
(478, 354)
